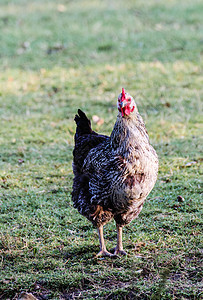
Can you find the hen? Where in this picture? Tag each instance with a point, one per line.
(113, 175)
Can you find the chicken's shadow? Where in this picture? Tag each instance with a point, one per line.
(81, 251)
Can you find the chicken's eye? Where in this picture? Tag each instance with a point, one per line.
(129, 100)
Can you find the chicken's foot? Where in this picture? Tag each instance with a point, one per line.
(103, 252)
(118, 250)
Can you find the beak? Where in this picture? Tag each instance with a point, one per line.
(123, 104)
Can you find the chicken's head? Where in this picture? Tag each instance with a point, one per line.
(126, 103)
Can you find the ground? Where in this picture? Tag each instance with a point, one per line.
(56, 57)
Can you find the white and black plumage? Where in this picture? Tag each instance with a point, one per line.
(113, 175)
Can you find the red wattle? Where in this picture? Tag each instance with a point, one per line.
(126, 110)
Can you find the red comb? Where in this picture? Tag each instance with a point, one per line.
(123, 93)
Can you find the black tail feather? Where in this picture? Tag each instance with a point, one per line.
(83, 124)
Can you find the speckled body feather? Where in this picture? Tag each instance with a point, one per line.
(113, 175)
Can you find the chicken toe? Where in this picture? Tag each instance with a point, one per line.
(118, 252)
(105, 253)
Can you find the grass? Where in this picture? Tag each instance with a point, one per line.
(57, 57)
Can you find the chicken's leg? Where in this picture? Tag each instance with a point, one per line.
(119, 247)
(103, 251)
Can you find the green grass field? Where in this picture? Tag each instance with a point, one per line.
(56, 57)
